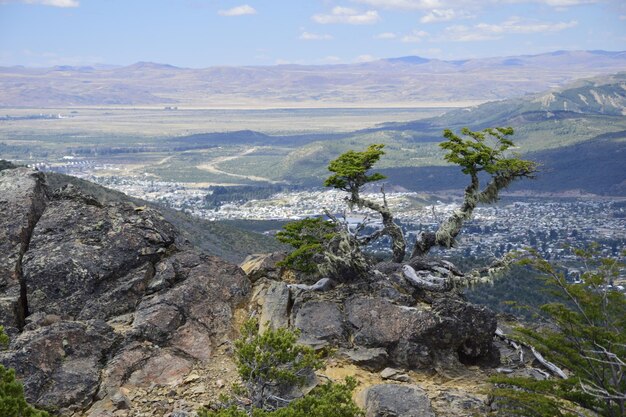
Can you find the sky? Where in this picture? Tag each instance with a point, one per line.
(203, 33)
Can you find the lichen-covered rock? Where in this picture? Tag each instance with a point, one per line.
(393, 400)
(60, 363)
(80, 251)
(321, 322)
(372, 359)
(440, 335)
(22, 201)
(275, 300)
(263, 265)
(117, 302)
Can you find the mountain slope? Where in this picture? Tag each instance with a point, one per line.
(215, 238)
(591, 133)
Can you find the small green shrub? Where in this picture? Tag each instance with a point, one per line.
(4, 339)
(272, 360)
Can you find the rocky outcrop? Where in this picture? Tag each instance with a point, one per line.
(22, 202)
(378, 324)
(112, 313)
(104, 301)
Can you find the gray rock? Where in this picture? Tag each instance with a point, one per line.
(320, 322)
(85, 262)
(121, 402)
(22, 202)
(395, 375)
(263, 265)
(60, 364)
(276, 302)
(392, 400)
(458, 403)
(78, 252)
(324, 284)
(372, 359)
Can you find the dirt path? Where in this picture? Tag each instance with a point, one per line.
(212, 166)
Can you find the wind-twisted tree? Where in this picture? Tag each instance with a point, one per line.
(351, 174)
(482, 154)
(475, 155)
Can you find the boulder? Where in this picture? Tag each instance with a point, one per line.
(320, 322)
(394, 400)
(60, 364)
(373, 359)
(263, 265)
(275, 300)
(80, 252)
(375, 331)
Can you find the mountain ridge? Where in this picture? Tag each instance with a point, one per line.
(400, 81)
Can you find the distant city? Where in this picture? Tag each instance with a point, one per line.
(549, 225)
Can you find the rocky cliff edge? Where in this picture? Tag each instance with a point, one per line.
(111, 313)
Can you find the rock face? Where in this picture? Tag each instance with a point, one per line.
(387, 400)
(379, 325)
(22, 201)
(102, 300)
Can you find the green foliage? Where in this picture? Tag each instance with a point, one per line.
(12, 401)
(351, 168)
(4, 339)
(588, 340)
(308, 237)
(327, 400)
(474, 154)
(270, 360)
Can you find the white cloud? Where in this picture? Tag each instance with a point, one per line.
(444, 15)
(415, 36)
(622, 17)
(513, 25)
(365, 58)
(386, 35)
(458, 4)
(461, 33)
(308, 36)
(347, 15)
(244, 9)
(53, 3)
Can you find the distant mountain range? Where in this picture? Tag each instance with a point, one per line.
(400, 81)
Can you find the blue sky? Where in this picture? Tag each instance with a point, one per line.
(201, 33)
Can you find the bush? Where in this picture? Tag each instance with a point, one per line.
(272, 362)
(309, 238)
(588, 341)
